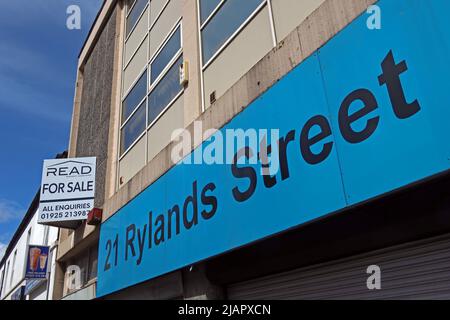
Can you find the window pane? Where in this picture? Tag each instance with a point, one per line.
(206, 8)
(129, 5)
(135, 14)
(135, 96)
(165, 91)
(133, 129)
(226, 21)
(82, 261)
(93, 262)
(166, 54)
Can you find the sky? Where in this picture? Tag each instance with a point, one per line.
(38, 60)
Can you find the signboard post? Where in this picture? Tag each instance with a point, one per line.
(67, 189)
(37, 261)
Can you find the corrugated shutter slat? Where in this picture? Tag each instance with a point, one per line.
(419, 270)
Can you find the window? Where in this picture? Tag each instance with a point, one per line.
(134, 97)
(165, 78)
(29, 236)
(135, 9)
(164, 92)
(83, 263)
(87, 262)
(133, 128)
(155, 90)
(207, 7)
(93, 263)
(225, 21)
(133, 114)
(5, 280)
(13, 267)
(2, 280)
(165, 56)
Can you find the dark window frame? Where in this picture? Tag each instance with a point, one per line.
(227, 40)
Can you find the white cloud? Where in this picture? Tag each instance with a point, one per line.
(9, 211)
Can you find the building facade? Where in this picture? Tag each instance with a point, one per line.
(346, 103)
(14, 285)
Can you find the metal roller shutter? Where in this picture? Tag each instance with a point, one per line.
(419, 270)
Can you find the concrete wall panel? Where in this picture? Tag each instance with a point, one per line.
(164, 25)
(135, 67)
(233, 62)
(133, 161)
(159, 135)
(136, 36)
(288, 14)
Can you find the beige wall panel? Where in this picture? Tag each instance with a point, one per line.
(136, 36)
(155, 8)
(250, 46)
(159, 135)
(134, 69)
(288, 14)
(164, 25)
(133, 161)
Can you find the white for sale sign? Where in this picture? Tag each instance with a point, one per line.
(67, 189)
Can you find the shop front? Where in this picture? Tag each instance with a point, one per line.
(361, 179)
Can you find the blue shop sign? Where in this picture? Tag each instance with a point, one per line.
(366, 114)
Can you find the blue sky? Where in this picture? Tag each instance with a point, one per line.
(38, 59)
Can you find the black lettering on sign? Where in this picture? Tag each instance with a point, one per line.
(159, 231)
(191, 201)
(141, 240)
(391, 78)
(108, 248)
(175, 211)
(345, 120)
(316, 132)
(244, 173)
(283, 145)
(129, 240)
(306, 142)
(209, 200)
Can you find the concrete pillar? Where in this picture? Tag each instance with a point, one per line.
(113, 138)
(58, 286)
(192, 93)
(75, 115)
